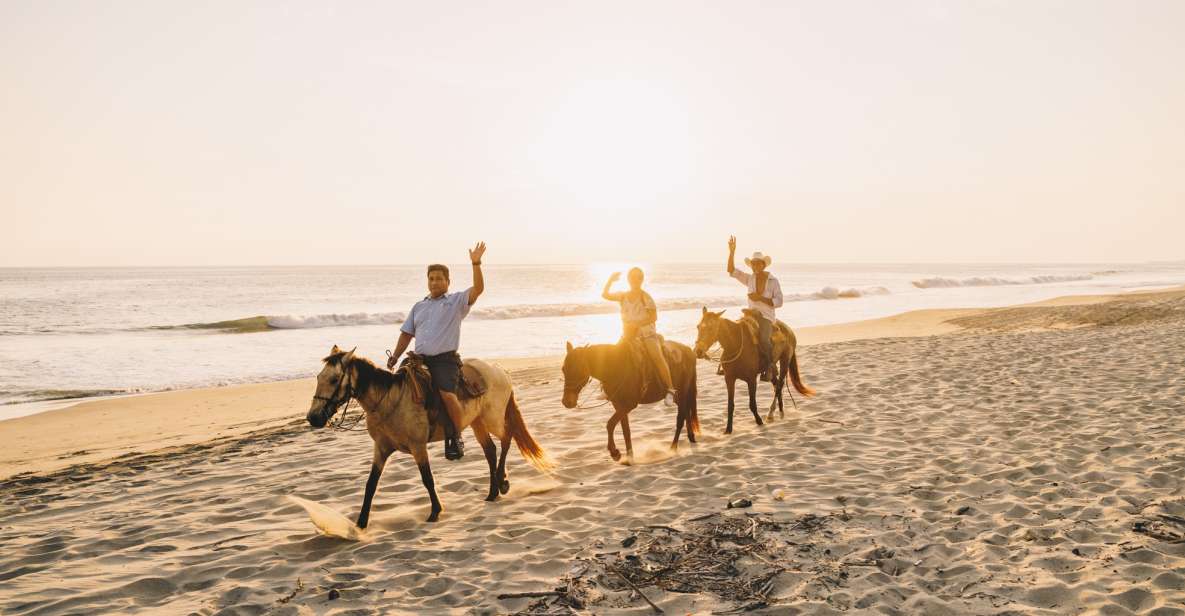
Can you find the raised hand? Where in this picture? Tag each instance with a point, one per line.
(614, 277)
(732, 243)
(476, 253)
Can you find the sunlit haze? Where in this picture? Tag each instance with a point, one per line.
(224, 133)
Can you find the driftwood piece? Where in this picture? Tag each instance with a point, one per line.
(657, 610)
(531, 595)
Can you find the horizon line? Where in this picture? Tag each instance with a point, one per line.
(586, 263)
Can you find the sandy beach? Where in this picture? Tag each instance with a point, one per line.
(980, 461)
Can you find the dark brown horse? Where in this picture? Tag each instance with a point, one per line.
(617, 367)
(741, 360)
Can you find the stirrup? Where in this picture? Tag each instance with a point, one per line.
(457, 451)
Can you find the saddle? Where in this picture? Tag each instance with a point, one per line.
(649, 375)
(471, 384)
(779, 338)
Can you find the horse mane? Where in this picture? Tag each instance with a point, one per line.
(369, 375)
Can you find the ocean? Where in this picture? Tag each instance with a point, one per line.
(69, 334)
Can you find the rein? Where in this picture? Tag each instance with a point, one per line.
(334, 402)
(608, 397)
(735, 356)
(581, 407)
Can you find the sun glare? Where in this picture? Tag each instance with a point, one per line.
(599, 272)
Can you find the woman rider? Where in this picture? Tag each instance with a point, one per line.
(638, 315)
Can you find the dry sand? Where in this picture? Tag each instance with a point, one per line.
(1031, 464)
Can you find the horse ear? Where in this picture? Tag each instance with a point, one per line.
(349, 355)
(569, 346)
(705, 310)
(334, 350)
(721, 313)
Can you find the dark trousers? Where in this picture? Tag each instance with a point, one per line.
(765, 332)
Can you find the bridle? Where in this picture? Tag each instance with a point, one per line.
(577, 390)
(722, 361)
(334, 401)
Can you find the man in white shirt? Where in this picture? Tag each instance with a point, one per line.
(765, 295)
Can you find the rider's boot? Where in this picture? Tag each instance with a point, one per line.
(454, 447)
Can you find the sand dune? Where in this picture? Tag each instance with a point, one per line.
(977, 473)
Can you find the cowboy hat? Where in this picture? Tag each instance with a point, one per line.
(757, 256)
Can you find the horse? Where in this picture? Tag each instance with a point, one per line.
(397, 422)
(617, 367)
(741, 360)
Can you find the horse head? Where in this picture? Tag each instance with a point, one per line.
(708, 332)
(576, 375)
(334, 387)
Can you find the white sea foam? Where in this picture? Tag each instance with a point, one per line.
(526, 311)
(289, 321)
(939, 282)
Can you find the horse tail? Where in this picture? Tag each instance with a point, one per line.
(795, 378)
(531, 450)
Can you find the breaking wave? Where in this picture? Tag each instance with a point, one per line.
(991, 281)
(498, 313)
(49, 395)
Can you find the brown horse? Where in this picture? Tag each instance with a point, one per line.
(741, 360)
(396, 422)
(617, 367)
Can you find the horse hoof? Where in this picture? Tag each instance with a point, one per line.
(491, 498)
(504, 487)
(728, 431)
(435, 515)
(616, 455)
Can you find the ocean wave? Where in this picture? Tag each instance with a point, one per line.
(49, 395)
(837, 293)
(264, 323)
(991, 281)
(335, 320)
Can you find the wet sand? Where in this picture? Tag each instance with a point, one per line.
(1030, 460)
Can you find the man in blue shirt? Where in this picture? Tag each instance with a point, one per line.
(435, 323)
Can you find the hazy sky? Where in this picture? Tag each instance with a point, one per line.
(189, 133)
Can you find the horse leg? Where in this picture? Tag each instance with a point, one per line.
(491, 451)
(625, 433)
(420, 454)
(753, 401)
(503, 482)
(730, 385)
(784, 371)
(609, 427)
(372, 483)
(778, 382)
(680, 417)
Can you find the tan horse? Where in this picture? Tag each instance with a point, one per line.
(741, 359)
(396, 422)
(615, 366)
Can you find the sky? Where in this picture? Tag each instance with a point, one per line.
(254, 133)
